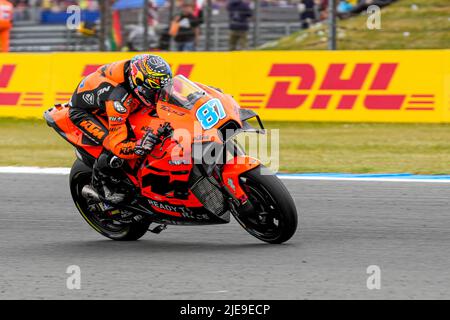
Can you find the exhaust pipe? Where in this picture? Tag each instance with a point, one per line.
(90, 194)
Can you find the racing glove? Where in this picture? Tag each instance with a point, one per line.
(146, 144)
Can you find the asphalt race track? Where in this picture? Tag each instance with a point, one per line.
(345, 226)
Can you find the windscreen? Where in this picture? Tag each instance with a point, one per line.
(182, 92)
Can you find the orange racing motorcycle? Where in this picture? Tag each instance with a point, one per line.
(197, 174)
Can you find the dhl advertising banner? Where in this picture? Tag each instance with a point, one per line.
(364, 86)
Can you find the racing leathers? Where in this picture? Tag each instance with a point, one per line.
(100, 107)
(106, 94)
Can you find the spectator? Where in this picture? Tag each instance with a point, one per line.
(308, 10)
(239, 14)
(185, 28)
(136, 31)
(6, 14)
(20, 7)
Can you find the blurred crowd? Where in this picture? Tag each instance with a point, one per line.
(61, 5)
(184, 29)
(183, 32)
(310, 11)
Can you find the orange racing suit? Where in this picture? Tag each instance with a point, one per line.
(106, 94)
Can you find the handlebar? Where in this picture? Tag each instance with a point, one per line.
(164, 130)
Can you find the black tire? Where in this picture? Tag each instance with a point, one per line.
(274, 218)
(80, 175)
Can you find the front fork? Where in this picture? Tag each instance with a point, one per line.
(231, 172)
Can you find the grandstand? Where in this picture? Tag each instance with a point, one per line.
(36, 37)
(42, 32)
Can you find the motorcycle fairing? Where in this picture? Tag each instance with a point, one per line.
(164, 183)
(58, 118)
(233, 169)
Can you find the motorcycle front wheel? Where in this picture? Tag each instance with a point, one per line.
(80, 175)
(274, 215)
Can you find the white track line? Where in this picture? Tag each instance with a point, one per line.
(66, 171)
(35, 170)
(361, 179)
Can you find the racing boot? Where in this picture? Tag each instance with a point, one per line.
(104, 177)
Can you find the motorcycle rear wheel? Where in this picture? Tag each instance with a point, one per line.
(274, 219)
(80, 175)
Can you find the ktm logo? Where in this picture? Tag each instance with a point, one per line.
(307, 78)
(93, 129)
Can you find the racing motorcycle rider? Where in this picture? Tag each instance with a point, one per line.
(114, 92)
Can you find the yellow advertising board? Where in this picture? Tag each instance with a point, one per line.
(356, 86)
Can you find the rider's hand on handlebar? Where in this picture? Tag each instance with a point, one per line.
(146, 144)
(164, 130)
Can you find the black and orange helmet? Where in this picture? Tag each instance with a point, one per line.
(148, 75)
